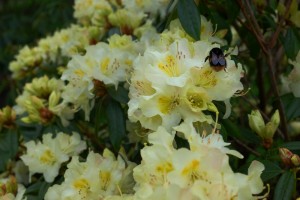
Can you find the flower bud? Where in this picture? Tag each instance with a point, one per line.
(286, 156)
(54, 99)
(7, 117)
(265, 131)
(9, 186)
(256, 122)
(272, 125)
(295, 160)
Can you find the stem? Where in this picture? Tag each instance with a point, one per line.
(280, 25)
(261, 87)
(277, 96)
(91, 135)
(255, 29)
(246, 147)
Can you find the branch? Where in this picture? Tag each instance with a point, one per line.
(246, 147)
(280, 25)
(255, 29)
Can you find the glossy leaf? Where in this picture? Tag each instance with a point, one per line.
(291, 43)
(271, 170)
(37, 191)
(116, 123)
(120, 95)
(285, 186)
(234, 130)
(291, 105)
(189, 18)
(8, 147)
(292, 146)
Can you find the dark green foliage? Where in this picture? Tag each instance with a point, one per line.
(285, 186)
(116, 122)
(189, 18)
(8, 147)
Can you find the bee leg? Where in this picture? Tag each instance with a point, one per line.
(206, 58)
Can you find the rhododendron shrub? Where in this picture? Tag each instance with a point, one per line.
(163, 99)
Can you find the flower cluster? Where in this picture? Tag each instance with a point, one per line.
(40, 102)
(10, 190)
(47, 156)
(200, 172)
(175, 82)
(103, 64)
(169, 88)
(96, 178)
(53, 49)
(125, 14)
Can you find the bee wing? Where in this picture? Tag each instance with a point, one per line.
(214, 59)
(222, 61)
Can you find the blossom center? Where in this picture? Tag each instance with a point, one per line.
(204, 77)
(143, 88)
(197, 101)
(105, 177)
(192, 170)
(167, 104)
(170, 66)
(48, 157)
(83, 186)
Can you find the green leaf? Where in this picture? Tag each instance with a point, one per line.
(291, 105)
(8, 147)
(250, 41)
(271, 170)
(292, 146)
(285, 186)
(189, 17)
(30, 131)
(291, 43)
(98, 114)
(116, 123)
(233, 130)
(120, 95)
(233, 10)
(37, 191)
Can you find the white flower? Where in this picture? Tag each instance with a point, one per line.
(47, 156)
(174, 82)
(97, 178)
(70, 144)
(147, 6)
(108, 64)
(294, 76)
(201, 172)
(53, 49)
(44, 158)
(92, 11)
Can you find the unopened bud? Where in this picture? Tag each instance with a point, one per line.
(7, 117)
(256, 122)
(2, 189)
(295, 160)
(11, 185)
(286, 156)
(265, 131)
(272, 125)
(54, 99)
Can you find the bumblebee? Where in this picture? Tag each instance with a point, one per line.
(217, 59)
